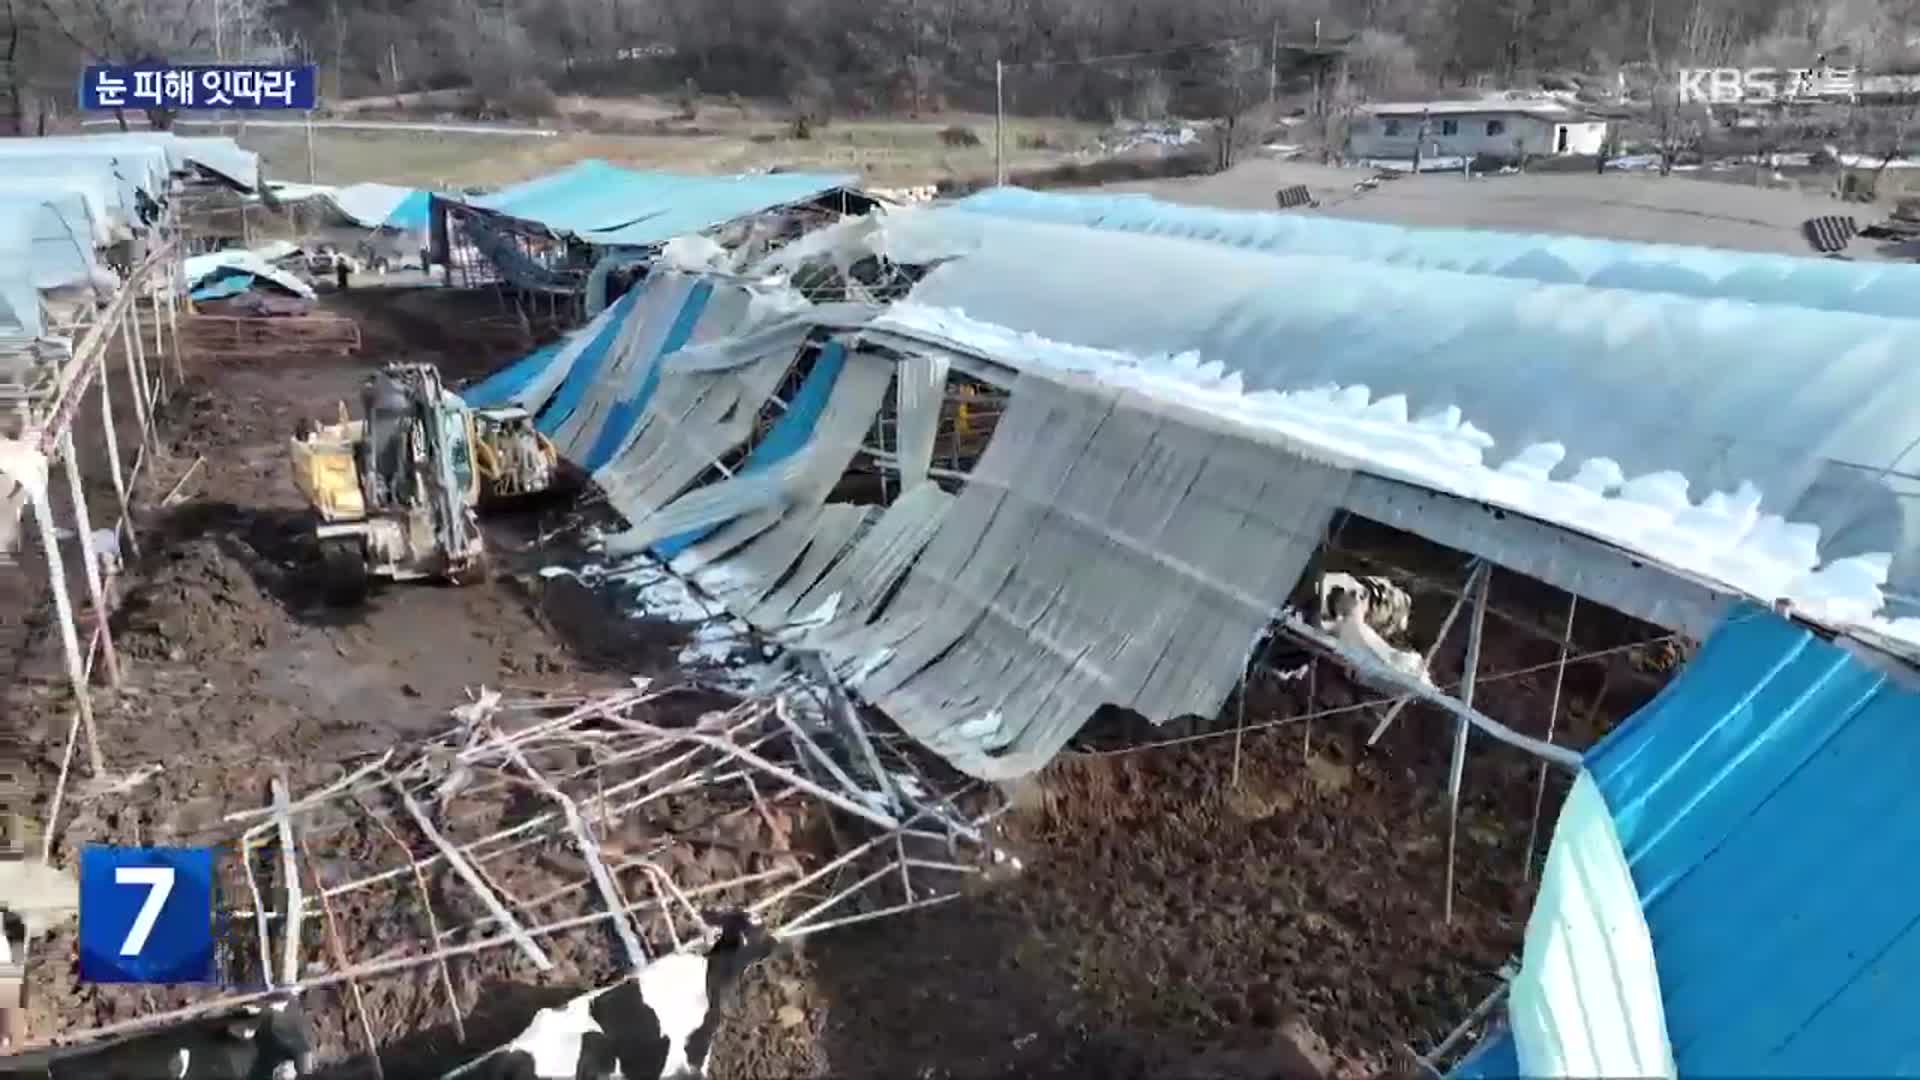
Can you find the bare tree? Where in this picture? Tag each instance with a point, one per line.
(134, 32)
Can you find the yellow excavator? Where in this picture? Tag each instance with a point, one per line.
(396, 493)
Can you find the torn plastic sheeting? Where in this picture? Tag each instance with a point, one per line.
(624, 414)
(580, 369)
(787, 437)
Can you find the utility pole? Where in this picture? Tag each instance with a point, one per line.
(999, 124)
(1273, 68)
(310, 178)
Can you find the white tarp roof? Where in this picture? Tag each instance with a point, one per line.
(98, 199)
(178, 153)
(40, 250)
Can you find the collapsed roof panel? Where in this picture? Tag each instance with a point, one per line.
(204, 271)
(607, 205)
(44, 245)
(1131, 463)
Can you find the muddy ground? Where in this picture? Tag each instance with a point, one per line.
(1162, 906)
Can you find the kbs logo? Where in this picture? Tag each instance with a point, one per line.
(1740, 86)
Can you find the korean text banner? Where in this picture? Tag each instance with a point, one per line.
(198, 86)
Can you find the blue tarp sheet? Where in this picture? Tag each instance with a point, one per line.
(500, 387)
(412, 213)
(786, 438)
(606, 205)
(620, 419)
(1767, 805)
(231, 285)
(585, 368)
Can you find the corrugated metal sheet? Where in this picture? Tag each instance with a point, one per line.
(1766, 804)
(1867, 288)
(605, 204)
(1099, 553)
(1586, 1002)
(922, 390)
(577, 374)
(788, 435)
(759, 549)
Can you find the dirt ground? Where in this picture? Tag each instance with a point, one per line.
(1161, 907)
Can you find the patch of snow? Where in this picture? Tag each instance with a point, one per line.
(693, 254)
(1723, 538)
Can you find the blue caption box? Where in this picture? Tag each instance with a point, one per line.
(198, 86)
(146, 915)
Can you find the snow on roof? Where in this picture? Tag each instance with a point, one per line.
(1754, 446)
(1542, 107)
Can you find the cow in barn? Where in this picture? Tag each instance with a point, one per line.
(254, 1042)
(1364, 612)
(657, 1025)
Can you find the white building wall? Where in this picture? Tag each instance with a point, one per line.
(1467, 134)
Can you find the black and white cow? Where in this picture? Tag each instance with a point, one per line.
(254, 1042)
(656, 1026)
(1378, 602)
(1363, 612)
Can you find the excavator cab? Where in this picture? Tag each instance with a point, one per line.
(395, 491)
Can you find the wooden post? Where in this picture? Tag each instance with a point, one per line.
(69, 638)
(112, 436)
(83, 523)
(134, 378)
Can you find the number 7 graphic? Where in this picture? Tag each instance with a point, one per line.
(159, 883)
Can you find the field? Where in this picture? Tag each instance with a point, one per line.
(718, 140)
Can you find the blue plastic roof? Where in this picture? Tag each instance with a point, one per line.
(1767, 805)
(412, 213)
(605, 204)
(1816, 408)
(1828, 284)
